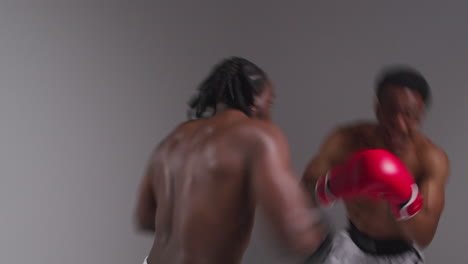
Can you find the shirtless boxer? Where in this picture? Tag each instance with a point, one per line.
(390, 176)
(205, 179)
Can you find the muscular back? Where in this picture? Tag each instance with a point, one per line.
(204, 206)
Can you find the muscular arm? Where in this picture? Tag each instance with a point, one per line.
(279, 193)
(331, 152)
(146, 203)
(422, 227)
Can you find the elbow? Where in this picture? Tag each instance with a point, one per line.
(424, 241)
(309, 235)
(142, 224)
(138, 223)
(144, 227)
(423, 238)
(421, 229)
(307, 243)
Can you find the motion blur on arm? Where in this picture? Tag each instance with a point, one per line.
(204, 181)
(280, 194)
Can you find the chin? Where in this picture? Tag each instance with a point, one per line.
(399, 148)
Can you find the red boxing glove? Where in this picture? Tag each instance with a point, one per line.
(372, 173)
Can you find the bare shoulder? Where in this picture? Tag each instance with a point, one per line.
(176, 133)
(360, 128)
(348, 132)
(260, 132)
(434, 158)
(361, 125)
(432, 152)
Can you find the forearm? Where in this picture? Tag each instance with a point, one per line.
(309, 183)
(311, 176)
(297, 219)
(421, 228)
(307, 239)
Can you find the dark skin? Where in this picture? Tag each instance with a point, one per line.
(399, 115)
(205, 181)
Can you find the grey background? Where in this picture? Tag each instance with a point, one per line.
(87, 88)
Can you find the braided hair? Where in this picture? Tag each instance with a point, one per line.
(234, 82)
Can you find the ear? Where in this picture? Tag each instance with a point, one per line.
(253, 109)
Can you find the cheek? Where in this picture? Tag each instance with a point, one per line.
(263, 103)
(260, 101)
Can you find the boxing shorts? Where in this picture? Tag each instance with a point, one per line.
(351, 246)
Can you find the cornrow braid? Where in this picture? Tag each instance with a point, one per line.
(234, 82)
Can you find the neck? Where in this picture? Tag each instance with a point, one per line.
(222, 109)
(397, 149)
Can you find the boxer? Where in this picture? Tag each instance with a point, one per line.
(206, 178)
(390, 176)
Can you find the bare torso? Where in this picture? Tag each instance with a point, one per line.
(373, 217)
(204, 207)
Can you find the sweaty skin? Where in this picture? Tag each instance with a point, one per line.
(427, 162)
(204, 182)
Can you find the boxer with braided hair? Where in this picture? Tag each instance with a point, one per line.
(207, 177)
